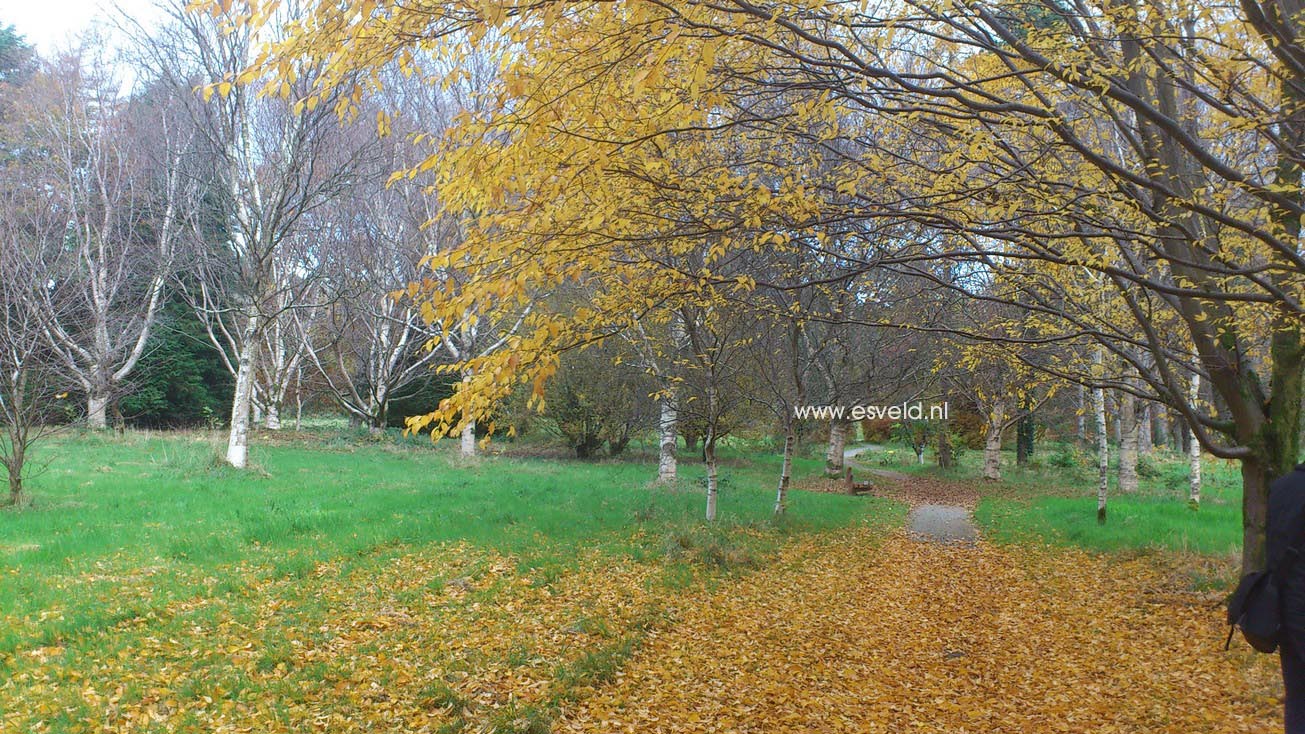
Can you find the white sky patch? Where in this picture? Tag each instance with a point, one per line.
(51, 24)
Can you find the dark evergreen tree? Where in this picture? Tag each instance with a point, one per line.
(181, 381)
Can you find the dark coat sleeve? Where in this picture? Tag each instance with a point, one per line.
(1286, 528)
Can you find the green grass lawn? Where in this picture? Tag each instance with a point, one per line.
(118, 529)
(1054, 500)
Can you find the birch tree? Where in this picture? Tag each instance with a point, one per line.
(274, 159)
(1129, 428)
(117, 181)
(1103, 440)
(369, 347)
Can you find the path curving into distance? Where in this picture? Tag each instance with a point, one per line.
(940, 510)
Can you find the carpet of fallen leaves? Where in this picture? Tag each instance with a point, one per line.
(920, 637)
(448, 638)
(840, 632)
(912, 489)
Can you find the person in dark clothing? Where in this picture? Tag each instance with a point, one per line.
(1286, 531)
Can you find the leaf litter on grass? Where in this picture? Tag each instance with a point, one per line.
(441, 637)
(842, 631)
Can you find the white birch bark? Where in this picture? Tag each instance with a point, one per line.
(272, 419)
(992, 441)
(1128, 432)
(837, 446)
(467, 445)
(242, 400)
(709, 446)
(668, 429)
(786, 468)
(97, 405)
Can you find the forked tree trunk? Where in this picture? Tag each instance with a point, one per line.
(1127, 443)
(375, 419)
(273, 418)
(97, 410)
(1194, 452)
(668, 428)
(242, 399)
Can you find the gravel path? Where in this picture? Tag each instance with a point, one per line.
(934, 514)
(943, 524)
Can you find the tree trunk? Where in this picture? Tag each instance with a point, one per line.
(1194, 451)
(1024, 440)
(1277, 440)
(1256, 476)
(97, 410)
(273, 418)
(374, 421)
(668, 427)
(785, 468)
(709, 456)
(1145, 430)
(1127, 443)
(992, 454)
(691, 441)
(992, 443)
(837, 446)
(468, 440)
(18, 450)
(242, 399)
(1159, 428)
(945, 458)
(1080, 429)
(1103, 449)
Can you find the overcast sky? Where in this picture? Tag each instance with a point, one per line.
(47, 24)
